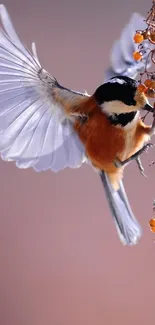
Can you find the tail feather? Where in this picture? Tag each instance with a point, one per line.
(127, 226)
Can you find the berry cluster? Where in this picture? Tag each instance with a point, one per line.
(148, 86)
(140, 37)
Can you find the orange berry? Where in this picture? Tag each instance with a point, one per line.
(148, 82)
(142, 88)
(138, 38)
(153, 84)
(152, 224)
(137, 56)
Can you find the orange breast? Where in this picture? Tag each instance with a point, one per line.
(103, 142)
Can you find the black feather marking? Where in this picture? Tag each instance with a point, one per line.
(122, 119)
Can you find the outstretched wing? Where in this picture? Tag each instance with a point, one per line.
(35, 130)
(121, 58)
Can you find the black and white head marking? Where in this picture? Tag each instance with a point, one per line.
(116, 99)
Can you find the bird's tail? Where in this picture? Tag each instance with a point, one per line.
(127, 226)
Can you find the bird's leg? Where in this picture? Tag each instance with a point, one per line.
(118, 163)
(139, 164)
(144, 117)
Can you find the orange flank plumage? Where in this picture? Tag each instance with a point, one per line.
(141, 136)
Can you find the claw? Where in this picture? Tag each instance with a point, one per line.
(141, 168)
(146, 147)
(143, 174)
(152, 163)
(118, 163)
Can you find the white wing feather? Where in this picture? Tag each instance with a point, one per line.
(31, 132)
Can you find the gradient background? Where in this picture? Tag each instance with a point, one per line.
(61, 261)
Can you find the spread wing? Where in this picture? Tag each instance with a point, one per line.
(121, 58)
(35, 130)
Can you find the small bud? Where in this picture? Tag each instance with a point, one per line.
(152, 37)
(146, 34)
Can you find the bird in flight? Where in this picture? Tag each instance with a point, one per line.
(44, 125)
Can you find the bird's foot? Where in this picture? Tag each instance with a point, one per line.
(118, 163)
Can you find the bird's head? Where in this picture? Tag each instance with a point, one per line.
(121, 95)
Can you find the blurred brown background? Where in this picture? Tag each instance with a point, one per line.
(61, 262)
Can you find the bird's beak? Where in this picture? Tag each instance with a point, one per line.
(148, 108)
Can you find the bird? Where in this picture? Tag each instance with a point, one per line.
(46, 126)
